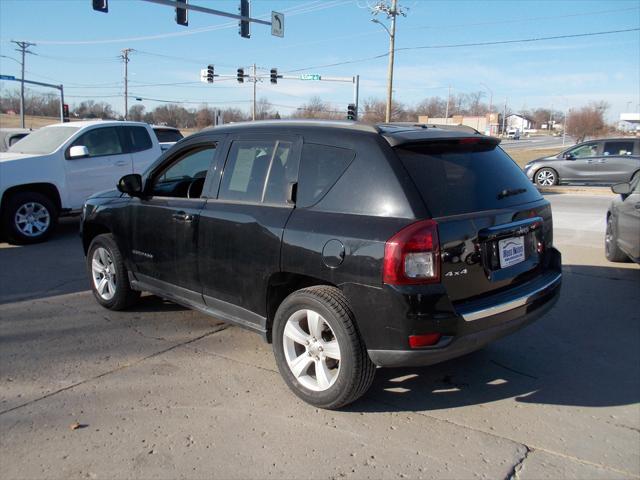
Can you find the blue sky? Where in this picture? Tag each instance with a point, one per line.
(79, 48)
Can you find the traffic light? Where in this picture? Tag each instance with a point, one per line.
(100, 5)
(182, 17)
(274, 75)
(241, 75)
(65, 112)
(245, 26)
(210, 74)
(351, 112)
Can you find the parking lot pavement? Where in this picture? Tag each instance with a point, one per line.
(163, 392)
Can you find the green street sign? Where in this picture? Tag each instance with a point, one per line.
(310, 76)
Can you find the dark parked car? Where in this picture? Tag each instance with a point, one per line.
(622, 239)
(605, 161)
(346, 245)
(167, 136)
(9, 136)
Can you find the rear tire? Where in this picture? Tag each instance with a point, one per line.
(546, 177)
(29, 217)
(318, 348)
(108, 274)
(611, 249)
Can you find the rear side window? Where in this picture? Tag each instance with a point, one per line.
(15, 138)
(618, 148)
(455, 179)
(168, 135)
(320, 169)
(258, 171)
(138, 138)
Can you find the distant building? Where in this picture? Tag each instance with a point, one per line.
(488, 124)
(629, 122)
(520, 122)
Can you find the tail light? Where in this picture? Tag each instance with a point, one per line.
(411, 256)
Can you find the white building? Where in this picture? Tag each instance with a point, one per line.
(629, 122)
(518, 121)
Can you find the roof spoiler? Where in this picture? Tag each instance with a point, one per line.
(459, 128)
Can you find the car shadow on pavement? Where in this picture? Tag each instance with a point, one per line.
(582, 353)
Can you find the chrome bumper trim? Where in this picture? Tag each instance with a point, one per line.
(518, 302)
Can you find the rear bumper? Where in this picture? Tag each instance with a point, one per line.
(503, 315)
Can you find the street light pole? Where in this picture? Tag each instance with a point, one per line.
(490, 105)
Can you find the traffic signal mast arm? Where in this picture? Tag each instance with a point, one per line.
(211, 11)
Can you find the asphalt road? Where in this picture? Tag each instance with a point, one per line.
(536, 143)
(163, 392)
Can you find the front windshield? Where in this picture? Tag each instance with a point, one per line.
(43, 141)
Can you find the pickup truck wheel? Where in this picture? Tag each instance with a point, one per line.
(29, 217)
(109, 278)
(546, 177)
(318, 348)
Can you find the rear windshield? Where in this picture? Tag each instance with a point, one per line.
(455, 179)
(167, 135)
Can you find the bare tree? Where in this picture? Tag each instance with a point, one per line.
(431, 107)
(373, 110)
(317, 108)
(264, 110)
(204, 117)
(587, 122)
(136, 113)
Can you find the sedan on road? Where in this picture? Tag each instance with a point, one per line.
(604, 161)
(622, 238)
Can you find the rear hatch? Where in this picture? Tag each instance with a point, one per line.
(493, 225)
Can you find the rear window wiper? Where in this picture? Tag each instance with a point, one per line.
(508, 193)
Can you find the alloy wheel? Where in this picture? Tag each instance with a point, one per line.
(103, 273)
(32, 219)
(311, 350)
(546, 178)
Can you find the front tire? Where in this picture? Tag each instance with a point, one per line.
(108, 274)
(546, 177)
(611, 249)
(318, 348)
(29, 217)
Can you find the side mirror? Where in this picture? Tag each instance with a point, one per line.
(78, 151)
(621, 188)
(131, 184)
(568, 156)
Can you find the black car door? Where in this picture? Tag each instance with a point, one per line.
(241, 230)
(165, 220)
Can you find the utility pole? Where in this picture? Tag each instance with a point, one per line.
(392, 12)
(23, 49)
(446, 112)
(255, 82)
(504, 116)
(125, 58)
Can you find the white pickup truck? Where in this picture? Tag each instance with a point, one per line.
(55, 169)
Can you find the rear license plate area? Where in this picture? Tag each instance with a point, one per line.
(511, 251)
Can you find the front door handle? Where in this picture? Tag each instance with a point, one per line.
(637, 206)
(121, 163)
(589, 161)
(182, 217)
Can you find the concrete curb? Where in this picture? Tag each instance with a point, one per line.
(577, 190)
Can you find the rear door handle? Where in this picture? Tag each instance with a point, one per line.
(182, 217)
(637, 206)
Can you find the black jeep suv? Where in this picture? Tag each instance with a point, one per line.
(345, 245)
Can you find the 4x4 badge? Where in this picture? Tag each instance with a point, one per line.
(456, 273)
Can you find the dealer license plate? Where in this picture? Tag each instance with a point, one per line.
(511, 251)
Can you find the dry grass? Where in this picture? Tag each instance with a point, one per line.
(523, 156)
(30, 121)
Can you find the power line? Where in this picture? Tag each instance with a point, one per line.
(478, 44)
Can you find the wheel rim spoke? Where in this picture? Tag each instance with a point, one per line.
(332, 349)
(323, 375)
(102, 285)
(315, 322)
(294, 332)
(300, 364)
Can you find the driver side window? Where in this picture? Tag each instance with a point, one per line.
(185, 177)
(584, 151)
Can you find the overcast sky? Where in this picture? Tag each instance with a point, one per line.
(80, 48)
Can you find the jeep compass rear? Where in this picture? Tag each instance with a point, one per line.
(347, 246)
